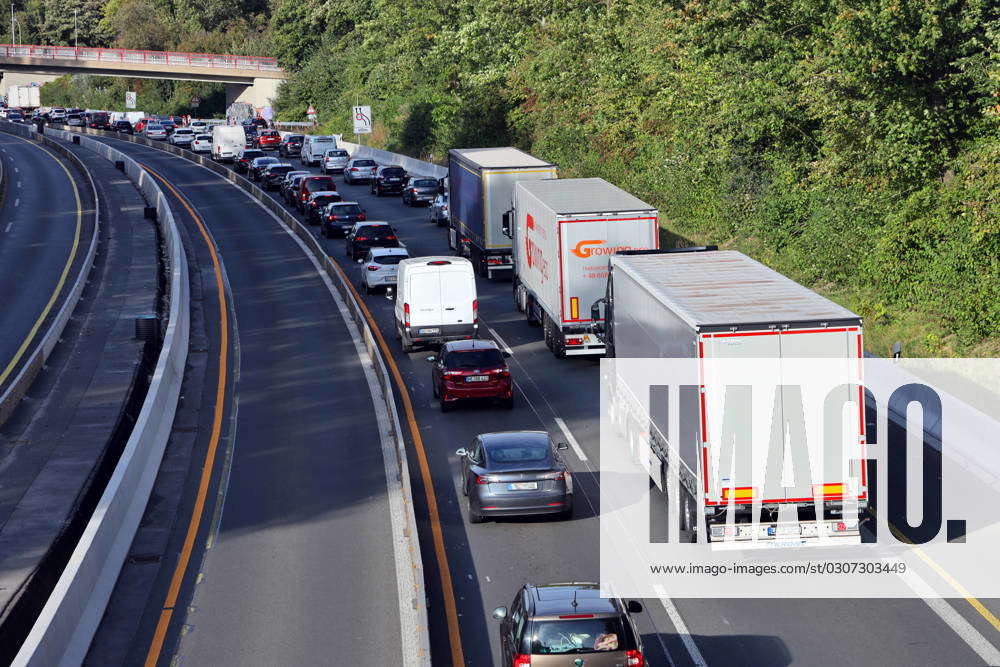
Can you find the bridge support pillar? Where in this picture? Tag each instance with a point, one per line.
(261, 93)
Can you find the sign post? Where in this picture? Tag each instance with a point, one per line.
(130, 99)
(362, 121)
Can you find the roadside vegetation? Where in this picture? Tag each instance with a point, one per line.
(851, 145)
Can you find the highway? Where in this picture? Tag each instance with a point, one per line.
(47, 213)
(487, 562)
(304, 535)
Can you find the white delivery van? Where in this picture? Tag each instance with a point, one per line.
(436, 301)
(314, 147)
(227, 142)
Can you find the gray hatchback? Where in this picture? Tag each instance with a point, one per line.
(515, 473)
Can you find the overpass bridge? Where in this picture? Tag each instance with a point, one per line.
(252, 79)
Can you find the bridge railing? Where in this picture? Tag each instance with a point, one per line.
(137, 57)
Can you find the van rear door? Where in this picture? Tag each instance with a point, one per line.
(424, 297)
(457, 294)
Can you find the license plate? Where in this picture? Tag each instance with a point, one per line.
(477, 378)
(522, 486)
(393, 180)
(428, 331)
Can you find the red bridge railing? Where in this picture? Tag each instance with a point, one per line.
(135, 57)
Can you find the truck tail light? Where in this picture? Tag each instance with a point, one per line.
(521, 660)
(574, 341)
(406, 314)
(475, 311)
(633, 658)
(493, 260)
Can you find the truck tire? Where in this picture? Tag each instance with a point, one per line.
(518, 296)
(529, 310)
(687, 516)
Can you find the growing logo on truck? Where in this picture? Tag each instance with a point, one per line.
(533, 253)
(585, 249)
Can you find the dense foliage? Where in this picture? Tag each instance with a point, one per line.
(852, 145)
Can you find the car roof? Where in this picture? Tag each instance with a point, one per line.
(389, 251)
(471, 344)
(343, 203)
(555, 599)
(512, 437)
(278, 164)
(373, 223)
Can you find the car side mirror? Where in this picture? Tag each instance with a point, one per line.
(562, 446)
(361, 261)
(431, 359)
(634, 607)
(500, 613)
(461, 452)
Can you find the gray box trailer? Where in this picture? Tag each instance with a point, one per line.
(709, 304)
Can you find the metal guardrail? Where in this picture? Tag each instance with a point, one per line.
(19, 386)
(64, 629)
(137, 57)
(421, 643)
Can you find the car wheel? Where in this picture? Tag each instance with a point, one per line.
(474, 516)
(407, 348)
(434, 389)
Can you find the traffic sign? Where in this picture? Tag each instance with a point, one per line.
(195, 101)
(311, 111)
(130, 99)
(362, 120)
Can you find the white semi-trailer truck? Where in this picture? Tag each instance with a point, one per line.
(707, 304)
(563, 232)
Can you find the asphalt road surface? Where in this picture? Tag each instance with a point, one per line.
(46, 220)
(489, 562)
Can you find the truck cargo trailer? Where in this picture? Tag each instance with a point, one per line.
(716, 305)
(564, 232)
(480, 187)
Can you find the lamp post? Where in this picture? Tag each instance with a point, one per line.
(12, 23)
(76, 29)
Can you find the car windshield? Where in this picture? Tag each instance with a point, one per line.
(350, 209)
(474, 358)
(364, 163)
(388, 260)
(583, 635)
(425, 183)
(518, 452)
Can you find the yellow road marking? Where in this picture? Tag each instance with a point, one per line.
(451, 610)
(65, 272)
(962, 590)
(156, 645)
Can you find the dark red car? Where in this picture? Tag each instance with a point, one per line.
(268, 139)
(473, 368)
(312, 184)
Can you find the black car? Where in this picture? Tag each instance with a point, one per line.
(15, 117)
(388, 179)
(365, 235)
(251, 134)
(258, 165)
(339, 217)
(291, 145)
(242, 163)
(317, 203)
(291, 188)
(569, 624)
(420, 190)
(168, 126)
(273, 175)
(99, 121)
(122, 127)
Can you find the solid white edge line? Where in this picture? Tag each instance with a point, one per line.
(17, 202)
(682, 631)
(572, 441)
(9, 225)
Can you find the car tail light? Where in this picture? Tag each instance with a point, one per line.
(484, 479)
(633, 658)
(475, 311)
(453, 373)
(554, 476)
(406, 314)
(574, 341)
(360, 238)
(521, 660)
(331, 218)
(305, 197)
(354, 168)
(372, 267)
(413, 190)
(391, 237)
(362, 216)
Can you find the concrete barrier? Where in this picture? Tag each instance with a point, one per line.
(410, 164)
(418, 646)
(33, 365)
(64, 629)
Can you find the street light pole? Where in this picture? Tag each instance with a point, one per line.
(12, 23)
(76, 30)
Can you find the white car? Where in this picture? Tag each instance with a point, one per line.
(381, 266)
(199, 126)
(182, 136)
(202, 143)
(334, 160)
(155, 131)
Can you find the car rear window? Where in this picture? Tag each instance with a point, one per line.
(364, 163)
(323, 200)
(388, 260)
(321, 183)
(393, 171)
(295, 137)
(474, 358)
(350, 209)
(280, 169)
(517, 452)
(203, 137)
(249, 155)
(337, 153)
(425, 183)
(580, 635)
(376, 231)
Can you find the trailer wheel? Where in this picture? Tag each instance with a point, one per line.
(687, 521)
(529, 309)
(516, 289)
